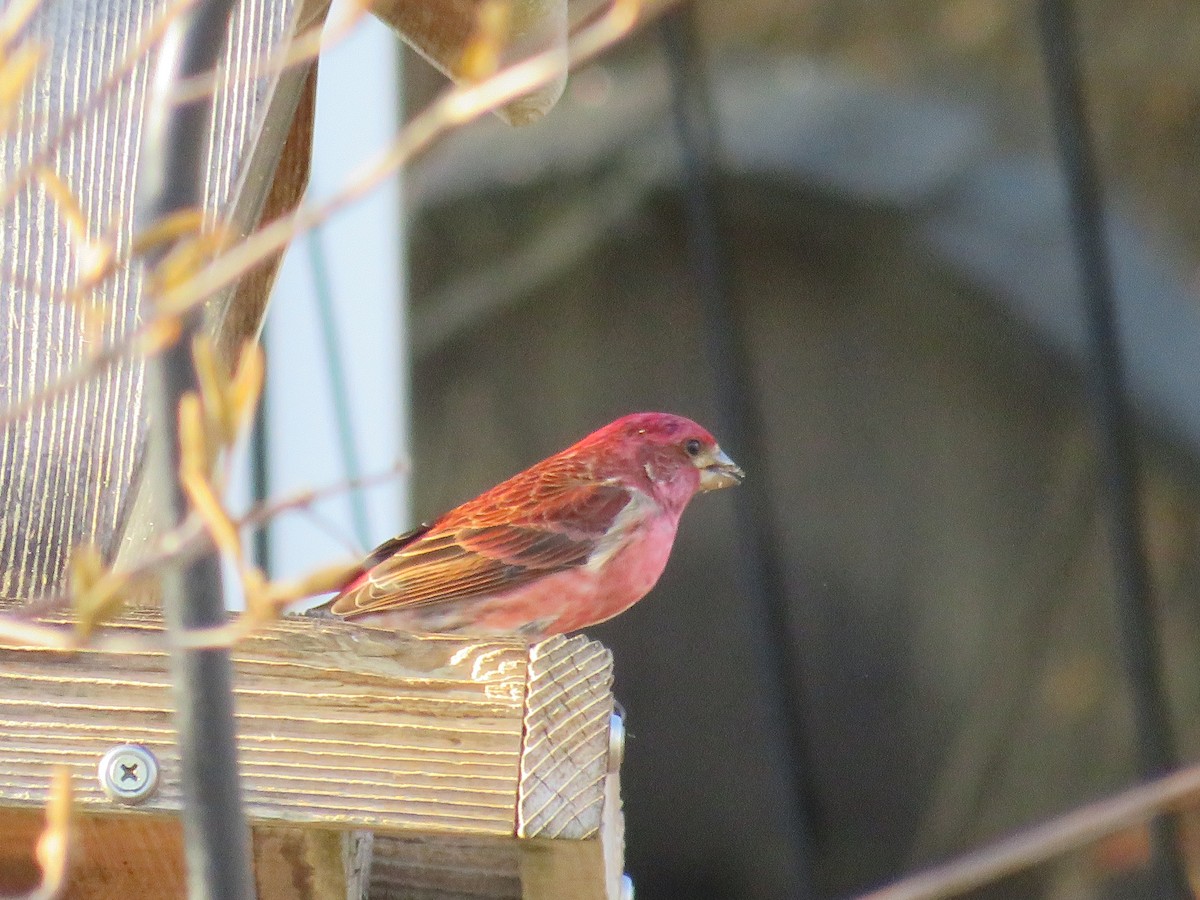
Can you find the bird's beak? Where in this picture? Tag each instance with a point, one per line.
(719, 471)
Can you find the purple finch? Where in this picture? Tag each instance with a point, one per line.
(572, 541)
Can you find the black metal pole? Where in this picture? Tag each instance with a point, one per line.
(759, 572)
(216, 836)
(1135, 602)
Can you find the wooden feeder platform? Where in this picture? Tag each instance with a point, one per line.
(372, 764)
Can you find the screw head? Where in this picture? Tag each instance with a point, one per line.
(616, 741)
(128, 773)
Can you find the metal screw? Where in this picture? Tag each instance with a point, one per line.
(626, 887)
(616, 741)
(128, 773)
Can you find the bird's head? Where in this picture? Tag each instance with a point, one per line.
(675, 455)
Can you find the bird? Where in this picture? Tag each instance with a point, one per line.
(570, 542)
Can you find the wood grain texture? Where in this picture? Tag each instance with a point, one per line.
(588, 869)
(308, 863)
(481, 766)
(451, 867)
(564, 760)
(445, 867)
(338, 726)
(439, 31)
(67, 468)
(570, 804)
(141, 856)
(113, 858)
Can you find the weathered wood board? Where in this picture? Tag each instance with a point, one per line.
(445, 748)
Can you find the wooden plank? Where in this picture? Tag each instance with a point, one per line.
(564, 758)
(569, 809)
(588, 869)
(141, 856)
(241, 318)
(273, 177)
(452, 867)
(445, 867)
(292, 863)
(480, 764)
(113, 857)
(338, 725)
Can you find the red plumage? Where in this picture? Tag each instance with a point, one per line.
(567, 543)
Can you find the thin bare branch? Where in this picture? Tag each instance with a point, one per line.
(456, 107)
(261, 513)
(1041, 843)
(31, 634)
(186, 288)
(304, 47)
(96, 592)
(14, 17)
(459, 105)
(192, 536)
(481, 56)
(313, 41)
(266, 601)
(175, 547)
(148, 339)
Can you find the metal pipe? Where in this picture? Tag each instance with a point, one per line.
(1137, 615)
(174, 157)
(759, 572)
(260, 474)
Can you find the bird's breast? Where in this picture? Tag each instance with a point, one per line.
(622, 569)
(625, 565)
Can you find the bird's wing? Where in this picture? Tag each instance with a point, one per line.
(502, 541)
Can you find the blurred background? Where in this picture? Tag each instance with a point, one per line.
(900, 639)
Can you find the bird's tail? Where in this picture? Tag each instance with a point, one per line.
(325, 610)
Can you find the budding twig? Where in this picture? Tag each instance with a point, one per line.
(183, 283)
(147, 38)
(306, 46)
(457, 106)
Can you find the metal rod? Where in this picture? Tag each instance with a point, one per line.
(1136, 610)
(338, 384)
(759, 572)
(216, 835)
(260, 473)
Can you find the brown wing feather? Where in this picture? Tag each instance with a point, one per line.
(542, 521)
(391, 545)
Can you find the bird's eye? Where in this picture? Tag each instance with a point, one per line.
(692, 447)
